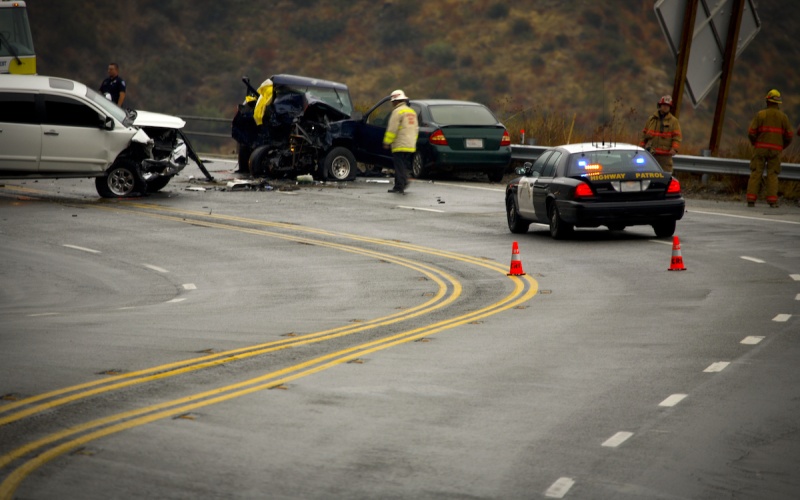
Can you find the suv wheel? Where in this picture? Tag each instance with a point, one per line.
(340, 164)
(121, 180)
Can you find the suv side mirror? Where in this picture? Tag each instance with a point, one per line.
(108, 123)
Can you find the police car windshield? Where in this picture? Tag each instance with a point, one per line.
(610, 162)
(109, 107)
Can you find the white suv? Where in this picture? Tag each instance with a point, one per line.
(52, 128)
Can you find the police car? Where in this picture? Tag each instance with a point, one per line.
(593, 185)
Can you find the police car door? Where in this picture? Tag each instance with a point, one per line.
(542, 186)
(525, 187)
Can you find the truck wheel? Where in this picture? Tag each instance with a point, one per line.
(418, 168)
(243, 158)
(257, 162)
(340, 164)
(121, 180)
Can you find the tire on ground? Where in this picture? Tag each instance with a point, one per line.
(120, 180)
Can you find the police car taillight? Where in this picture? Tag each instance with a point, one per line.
(506, 140)
(583, 190)
(674, 186)
(438, 138)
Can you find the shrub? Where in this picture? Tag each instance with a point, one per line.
(497, 10)
(439, 53)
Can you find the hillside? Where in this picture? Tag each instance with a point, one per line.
(535, 62)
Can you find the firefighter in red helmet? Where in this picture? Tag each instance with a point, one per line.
(662, 134)
(769, 133)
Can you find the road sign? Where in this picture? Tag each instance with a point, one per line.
(708, 40)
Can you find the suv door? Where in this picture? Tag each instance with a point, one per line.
(20, 133)
(73, 137)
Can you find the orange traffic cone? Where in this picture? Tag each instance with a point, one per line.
(516, 264)
(677, 261)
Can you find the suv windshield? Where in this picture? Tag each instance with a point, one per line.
(457, 114)
(109, 107)
(337, 99)
(610, 162)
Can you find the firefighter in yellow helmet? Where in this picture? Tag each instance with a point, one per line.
(662, 134)
(769, 133)
(401, 135)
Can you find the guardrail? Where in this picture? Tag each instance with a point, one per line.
(520, 152)
(681, 163)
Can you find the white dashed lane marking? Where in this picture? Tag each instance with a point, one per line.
(752, 259)
(795, 277)
(672, 400)
(189, 286)
(422, 209)
(175, 300)
(797, 297)
(782, 318)
(82, 249)
(752, 340)
(617, 439)
(155, 268)
(559, 488)
(717, 367)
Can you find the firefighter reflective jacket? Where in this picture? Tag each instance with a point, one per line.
(402, 130)
(661, 134)
(770, 129)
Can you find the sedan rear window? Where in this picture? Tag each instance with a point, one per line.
(456, 114)
(610, 162)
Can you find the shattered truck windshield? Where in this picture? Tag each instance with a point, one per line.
(336, 99)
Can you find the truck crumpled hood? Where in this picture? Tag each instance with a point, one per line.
(150, 119)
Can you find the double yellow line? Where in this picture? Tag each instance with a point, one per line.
(524, 289)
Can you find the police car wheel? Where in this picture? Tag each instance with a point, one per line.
(516, 224)
(558, 228)
(664, 229)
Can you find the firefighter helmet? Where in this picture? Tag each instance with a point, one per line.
(666, 99)
(399, 95)
(774, 96)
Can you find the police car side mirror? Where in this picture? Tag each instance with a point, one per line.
(525, 169)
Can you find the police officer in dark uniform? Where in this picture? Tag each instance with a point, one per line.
(113, 87)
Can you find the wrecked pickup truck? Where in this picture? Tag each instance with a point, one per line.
(300, 129)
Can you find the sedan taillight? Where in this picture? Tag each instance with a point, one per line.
(674, 186)
(583, 190)
(438, 138)
(506, 140)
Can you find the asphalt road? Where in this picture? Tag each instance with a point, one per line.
(338, 341)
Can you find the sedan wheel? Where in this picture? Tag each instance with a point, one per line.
(418, 169)
(558, 228)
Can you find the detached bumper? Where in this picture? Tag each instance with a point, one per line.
(630, 213)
